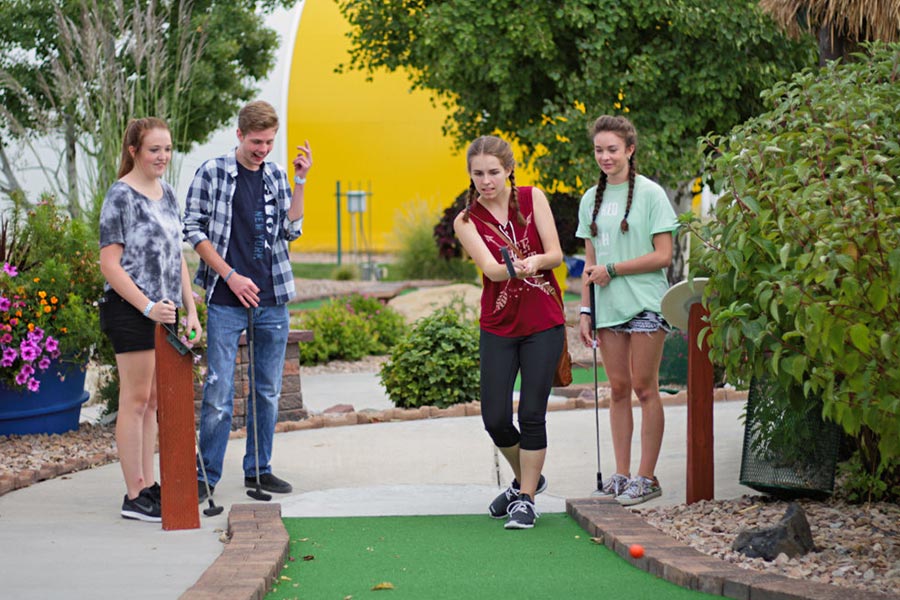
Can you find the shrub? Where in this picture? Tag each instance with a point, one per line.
(418, 256)
(349, 328)
(436, 364)
(804, 249)
(673, 367)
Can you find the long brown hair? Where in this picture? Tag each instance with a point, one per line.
(623, 128)
(499, 148)
(133, 138)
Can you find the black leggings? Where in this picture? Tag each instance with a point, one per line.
(536, 356)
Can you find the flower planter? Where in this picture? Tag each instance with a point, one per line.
(55, 408)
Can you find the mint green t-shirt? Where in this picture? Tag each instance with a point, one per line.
(651, 212)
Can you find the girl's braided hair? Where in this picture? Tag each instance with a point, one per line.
(493, 146)
(623, 128)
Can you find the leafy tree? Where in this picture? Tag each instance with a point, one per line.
(804, 250)
(81, 68)
(841, 25)
(541, 71)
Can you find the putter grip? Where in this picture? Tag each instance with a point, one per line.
(593, 307)
(509, 264)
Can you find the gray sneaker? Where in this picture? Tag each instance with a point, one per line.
(640, 489)
(522, 513)
(499, 508)
(612, 487)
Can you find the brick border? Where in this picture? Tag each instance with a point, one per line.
(250, 561)
(684, 566)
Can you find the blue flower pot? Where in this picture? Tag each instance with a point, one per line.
(55, 408)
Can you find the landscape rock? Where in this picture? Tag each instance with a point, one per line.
(790, 537)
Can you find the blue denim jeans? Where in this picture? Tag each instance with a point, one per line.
(224, 326)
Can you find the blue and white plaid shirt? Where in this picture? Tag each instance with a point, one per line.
(207, 216)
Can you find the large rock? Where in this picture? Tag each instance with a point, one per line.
(425, 301)
(791, 536)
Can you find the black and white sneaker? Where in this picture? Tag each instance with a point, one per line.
(156, 494)
(142, 508)
(499, 508)
(522, 513)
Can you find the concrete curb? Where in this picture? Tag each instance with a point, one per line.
(666, 557)
(252, 558)
(574, 397)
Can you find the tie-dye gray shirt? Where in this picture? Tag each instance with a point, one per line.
(150, 233)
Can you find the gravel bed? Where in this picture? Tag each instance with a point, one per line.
(857, 546)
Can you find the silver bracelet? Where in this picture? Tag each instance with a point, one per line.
(148, 308)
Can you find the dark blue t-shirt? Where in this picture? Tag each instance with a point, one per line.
(250, 243)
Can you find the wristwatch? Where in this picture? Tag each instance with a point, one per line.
(299, 180)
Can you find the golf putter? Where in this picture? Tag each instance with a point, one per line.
(256, 494)
(213, 510)
(596, 382)
(504, 252)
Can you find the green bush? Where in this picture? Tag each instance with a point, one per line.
(436, 364)
(418, 257)
(673, 367)
(388, 325)
(349, 328)
(804, 249)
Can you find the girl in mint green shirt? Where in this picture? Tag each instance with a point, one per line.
(627, 221)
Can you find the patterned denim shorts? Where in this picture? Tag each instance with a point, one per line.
(644, 322)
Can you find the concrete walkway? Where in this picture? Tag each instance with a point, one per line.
(64, 537)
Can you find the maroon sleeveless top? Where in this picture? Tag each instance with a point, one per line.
(516, 307)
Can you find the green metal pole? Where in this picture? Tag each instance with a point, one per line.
(338, 202)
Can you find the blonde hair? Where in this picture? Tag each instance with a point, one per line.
(257, 116)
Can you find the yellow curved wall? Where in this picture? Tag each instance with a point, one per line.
(364, 133)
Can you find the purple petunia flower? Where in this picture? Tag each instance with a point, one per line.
(10, 270)
(44, 363)
(5, 303)
(34, 385)
(51, 345)
(6, 338)
(9, 357)
(29, 350)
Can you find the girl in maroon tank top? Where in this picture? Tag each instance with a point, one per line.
(522, 324)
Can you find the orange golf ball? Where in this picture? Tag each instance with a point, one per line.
(636, 551)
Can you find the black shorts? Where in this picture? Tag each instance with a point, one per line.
(124, 325)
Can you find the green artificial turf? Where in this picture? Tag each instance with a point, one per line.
(458, 556)
(579, 375)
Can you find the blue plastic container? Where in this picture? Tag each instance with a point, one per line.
(55, 408)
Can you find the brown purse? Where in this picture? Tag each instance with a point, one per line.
(563, 374)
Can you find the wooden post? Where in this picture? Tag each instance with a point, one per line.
(177, 458)
(700, 469)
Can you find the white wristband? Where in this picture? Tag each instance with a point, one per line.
(149, 308)
(585, 310)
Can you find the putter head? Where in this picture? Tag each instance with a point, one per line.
(259, 495)
(213, 510)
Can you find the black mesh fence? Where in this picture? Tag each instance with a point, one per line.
(789, 450)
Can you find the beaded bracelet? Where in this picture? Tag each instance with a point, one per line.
(611, 269)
